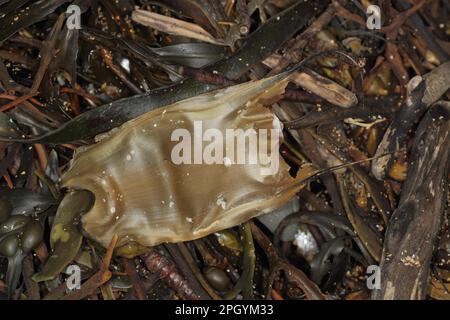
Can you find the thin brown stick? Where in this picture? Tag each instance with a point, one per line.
(108, 59)
(42, 155)
(402, 17)
(28, 271)
(47, 54)
(80, 92)
(292, 55)
(8, 180)
(138, 287)
(17, 101)
(12, 98)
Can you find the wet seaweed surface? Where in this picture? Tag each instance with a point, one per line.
(365, 114)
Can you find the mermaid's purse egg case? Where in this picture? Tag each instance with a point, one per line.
(165, 177)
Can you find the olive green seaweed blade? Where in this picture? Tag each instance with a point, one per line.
(65, 236)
